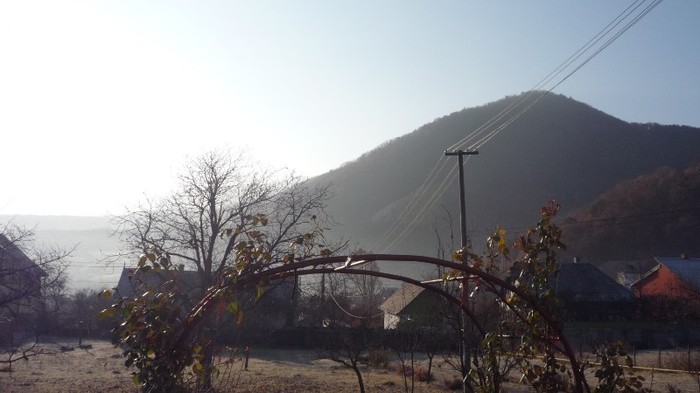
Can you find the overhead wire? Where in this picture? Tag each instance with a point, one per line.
(390, 238)
(554, 73)
(608, 221)
(417, 195)
(577, 55)
(435, 197)
(341, 308)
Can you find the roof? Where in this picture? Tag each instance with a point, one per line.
(189, 279)
(401, 298)
(126, 287)
(20, 261)
(583, 282)
(687, 269)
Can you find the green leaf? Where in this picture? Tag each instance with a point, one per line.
(259, 293)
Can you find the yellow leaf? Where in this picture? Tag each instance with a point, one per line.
(501, 239)
(106, 294)
(107, 313)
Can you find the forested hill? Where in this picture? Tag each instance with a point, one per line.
(561, 149)
(653, 215)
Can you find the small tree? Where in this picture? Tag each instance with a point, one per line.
(615, 373)
(348, 347)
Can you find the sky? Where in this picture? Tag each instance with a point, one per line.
(102, 102)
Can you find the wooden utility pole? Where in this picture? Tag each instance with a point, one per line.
(462, 205)
(466, 352)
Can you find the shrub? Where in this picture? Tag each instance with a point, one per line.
(379, 358)
(673, 388)
(423, 375)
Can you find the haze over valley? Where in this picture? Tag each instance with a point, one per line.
(561, 150)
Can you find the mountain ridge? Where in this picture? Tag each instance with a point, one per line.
(560, 149)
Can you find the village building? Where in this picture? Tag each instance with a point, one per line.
(587, 294)
(20, 288)
(411, 303)
(266, 311)
(671, 289)
(20, 280)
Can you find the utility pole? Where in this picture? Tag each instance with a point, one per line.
(462, 209)
(466, 355)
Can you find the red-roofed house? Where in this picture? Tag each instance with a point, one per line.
(672, 288)
(673, 278)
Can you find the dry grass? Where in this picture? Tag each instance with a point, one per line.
(100, 368)
(96, 367)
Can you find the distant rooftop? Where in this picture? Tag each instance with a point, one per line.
(688, 269)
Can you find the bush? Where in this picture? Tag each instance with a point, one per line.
(423, 375)
(379, 358)
(420, 373)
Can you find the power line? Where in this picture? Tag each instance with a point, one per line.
(632, 219)
(485, 135)
(608, 221)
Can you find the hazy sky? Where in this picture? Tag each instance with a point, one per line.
(100, 102)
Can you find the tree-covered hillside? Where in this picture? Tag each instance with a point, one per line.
(560, 149)
(652, 215)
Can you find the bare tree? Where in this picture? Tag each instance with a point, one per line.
(224, 204)
(367, 293)
(347, 349)
(219, 197)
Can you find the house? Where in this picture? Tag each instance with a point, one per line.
(268, 312)
(587, 294)
(20, 290)
(20, 280)
(671, 289)
(672, 278)
(410, 303)
(131, 284)
(584, 292)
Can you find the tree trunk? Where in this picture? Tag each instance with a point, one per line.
(361, 383)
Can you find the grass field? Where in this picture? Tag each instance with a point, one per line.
(98, 367)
